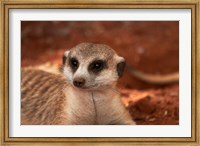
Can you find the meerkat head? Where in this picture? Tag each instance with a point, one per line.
(92, 66)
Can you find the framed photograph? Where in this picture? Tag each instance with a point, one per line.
(104, 72)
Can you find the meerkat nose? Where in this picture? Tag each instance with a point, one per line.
(79, 82)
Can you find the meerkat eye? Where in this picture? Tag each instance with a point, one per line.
(74, 63)
(97, 65)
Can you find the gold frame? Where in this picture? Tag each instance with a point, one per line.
(182, 4)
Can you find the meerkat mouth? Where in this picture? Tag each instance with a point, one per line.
(87, 88)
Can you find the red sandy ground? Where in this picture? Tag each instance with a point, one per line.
(151, 47)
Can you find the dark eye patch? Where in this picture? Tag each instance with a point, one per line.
(73, 62)
(97, 65)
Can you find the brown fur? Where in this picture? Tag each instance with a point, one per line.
(43, 100)
(47, 99)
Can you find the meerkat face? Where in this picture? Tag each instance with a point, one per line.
(92, 66)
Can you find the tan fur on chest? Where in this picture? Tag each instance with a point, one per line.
(95, 107)
(80, 107)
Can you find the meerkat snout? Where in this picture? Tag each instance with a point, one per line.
(79, 82)
(92, 66)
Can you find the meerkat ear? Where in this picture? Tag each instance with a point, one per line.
(121, 66)
(65, 56)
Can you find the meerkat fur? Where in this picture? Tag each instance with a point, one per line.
(83, 94)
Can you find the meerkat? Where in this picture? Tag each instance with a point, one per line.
(84, 93)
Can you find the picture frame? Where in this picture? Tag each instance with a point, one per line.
(6, 5)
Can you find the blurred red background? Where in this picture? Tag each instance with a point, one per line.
(150, 46)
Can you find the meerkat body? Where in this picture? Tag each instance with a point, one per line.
(42, 98)
(85, 93)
